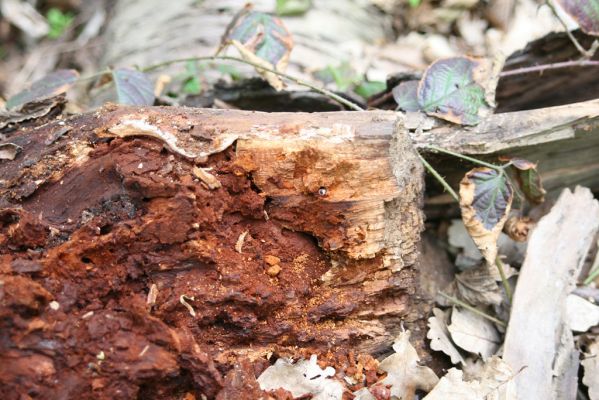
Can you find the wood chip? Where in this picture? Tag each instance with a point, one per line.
(152, 295)
(182, 300)
(240, 240)
(207, 178)
(272, 260)
(274, 270)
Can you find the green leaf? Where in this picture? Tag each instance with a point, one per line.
(528, 180)
(343, 75)
(414, 3)
(449, 89)
(584, 12)
(191, 80)
(58, 22)
(492, 195)
(49, 86)
(367, 89)
(406, 95)
(229, 70)
(292, 7)
(133, 87)
(263, 35)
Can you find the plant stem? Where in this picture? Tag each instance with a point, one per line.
(594, 273)
(95, 75)
(585, 53)
(473, 309)
(506, 284)
(299, 81)
(464, 157)
(546, 67)
(441, 180)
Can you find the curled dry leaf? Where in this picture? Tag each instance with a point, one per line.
(439, 335)
(517, 228)
(528, 179)
(261, 39)
(585, 12)
(49, 86)
(473, 333)
(485, 201)
(404, 373)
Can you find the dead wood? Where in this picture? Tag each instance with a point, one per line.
(170, 242)
(538, 343)
(156, 240)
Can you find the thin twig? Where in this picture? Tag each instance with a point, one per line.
(441, 180)
(585, 53)
(546, 67)
(292, 78)
(473, 309)
(464, 157)
(506, 284)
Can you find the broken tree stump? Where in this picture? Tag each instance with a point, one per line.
(148, 248)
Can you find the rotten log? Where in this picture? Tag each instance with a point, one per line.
(129, 263)
(146, 250)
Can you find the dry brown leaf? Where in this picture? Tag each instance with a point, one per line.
(305, 377)
(473, 333)
(478, 286)
(493, 384)
(404, 373)
(517, 228)
(439, 336)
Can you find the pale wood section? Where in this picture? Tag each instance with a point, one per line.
(556, 251)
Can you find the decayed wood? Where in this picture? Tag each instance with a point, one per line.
(309, 240)
(537, 339)
(298, 230)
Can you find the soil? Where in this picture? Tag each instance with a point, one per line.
(132, 278)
